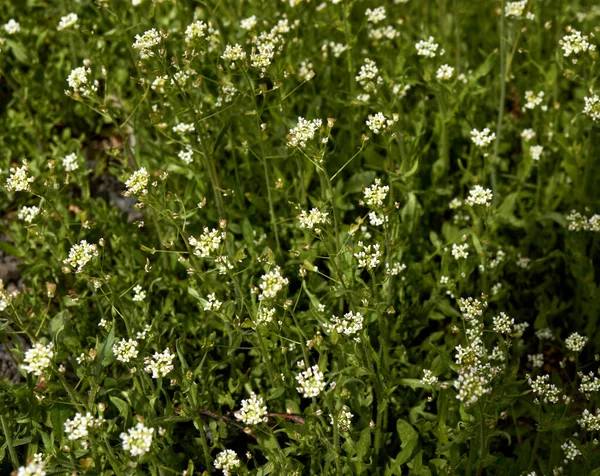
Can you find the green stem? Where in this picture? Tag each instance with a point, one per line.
(7, 437)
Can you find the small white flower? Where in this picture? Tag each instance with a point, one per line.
(80, 255)
(375, 15)
(125, 350)
(137, 440)
(160, 364)
(592, 107)
(70, 163)
(136, 184)
(428, 377)
(248, 23)
(515, 9)
(227, 461)
(272, 283)
(536, 152)
(427, 48)
(68, 21)
(460, 251)
(479, 196)
(146, 42)
(12, 27)
(482, 138)
(38, 358)
(19, 179)
(304, 131)
(576, 342)
(311, 381)
(253, 410)
(445, 72)
(28, 214)
(527, 134)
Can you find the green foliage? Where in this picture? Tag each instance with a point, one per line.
(299, 231)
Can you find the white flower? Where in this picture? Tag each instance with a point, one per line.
(303, 132)
(125, 350)
(137, 440)
(536, 152)
(68, 21)
(376, 193)
(253, 410)
(527, 134)
(311, 381)
(592, 107)
(80, 84)
(482, 138)
(212, 304)
(38, 358)
(272, 283)
(349, 325)
(196, 30)
(27, 214)
(368, 76)
(248, 23)
(77, 428)
(234, 53)
(428, 377)
(19, 179)
(312, 218)
(376, 15)
(138, 294)
(575, 43)
(186, 155)
(344, 419)
(369, 256)
(537, 360)
(209, 242)
(183, 128)
(571, 451)
(589, 421)
(227, 461)
(460, 251)
(533, 100)
(445, 72)
(427, 48)
(479, 196)
(548, 392)
(503, 324)
(576, 342)
(12, 27)
(265, 316)
(80, 255)
(136, 184)
(160, 364)
(70, 163)
(378, 122)
(35, 467)
(515, 9)
(146, 42)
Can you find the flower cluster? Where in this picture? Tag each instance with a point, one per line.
(136, 184)
(515, 9)
(482, 138)
(578, 222)
(160, 364)
(12, 27)
(350, 324)
(19, 179)
(503, 324)
(234, 53)
(138, 439)
(38, 358)
(571, 450)
(428, 377)
(344, 419)
(79, 82)
(536, 152)
(70, 163)
(589, 383)
(369, 256)
(533, 100)
(304, 131)
(376, 193)
(471, 308)
(368, 76)
(80, 255)
(375, 15)
(445, 73)
(212, 303)
(576, 342)
(545, 390)
(146, 42)
(272, 283)
(227, 461)
(427, 48)
(312, 218)
(267, 44)
(460, 251)
(68, 21)
(35, 467)
(264, 316)
(125, 350)
(253, 410)
(575, 43)
(28, 214)
(589, 421)
(592, 107)
(311, 381)
(77, 428)
(378, 122)
(208, 243)
(479, 196)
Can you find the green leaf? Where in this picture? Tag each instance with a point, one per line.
(408, 440)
